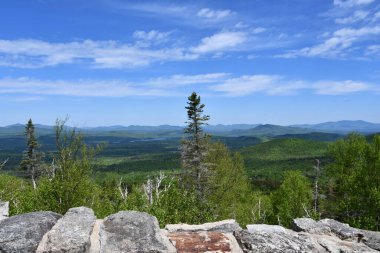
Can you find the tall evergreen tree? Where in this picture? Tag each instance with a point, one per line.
(194, 146)
(31, 160)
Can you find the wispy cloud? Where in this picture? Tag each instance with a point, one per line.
(342, 87)
(79, 88)
(352, 3)
(336, 45)
(152, 8)
(278, 85)
(355, 17)
(151, 47)
(182, 80)
(214, 14)
(152, 36)
(98, 54)
(220, 84)
(220, 41)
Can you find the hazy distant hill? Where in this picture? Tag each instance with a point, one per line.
(344, 126)
(234, 130)
(269, 130)
(227, 128)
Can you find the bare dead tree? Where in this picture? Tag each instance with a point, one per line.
(154, 187)
(123, 190)
(158, 182)
(317, 174)
(2, 165)
(148, 190)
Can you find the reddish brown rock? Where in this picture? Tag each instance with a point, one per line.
(204, 241)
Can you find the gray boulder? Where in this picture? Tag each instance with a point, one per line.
(4, 210)
(345, 232)
(265, 228)
(342, 230)
(133, 232)
(310, 226)
(276, 242)
(289, 241)
(22, 233)
(371, 239)
(71, 234)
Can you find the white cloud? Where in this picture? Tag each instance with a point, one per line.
(376, 16)
(258, 30)
(182, 80)
(220, 42)
(79, 88)
(343, 87)
(246, 85)
(373, 50)
(213, 14)
(219, 83)
(277, 85)
(98, 54)
(152, 35)
(355, 17)
(337, 45)
(352, 3)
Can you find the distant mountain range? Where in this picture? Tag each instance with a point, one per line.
(338, 127)
(344, 126)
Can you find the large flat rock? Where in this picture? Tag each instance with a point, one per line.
(133, 232)
(22, 233)
(71, 234)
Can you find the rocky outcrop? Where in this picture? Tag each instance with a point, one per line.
(78, 231)
(134, 232)
(71, 234)
(4, 210)
(22, 233)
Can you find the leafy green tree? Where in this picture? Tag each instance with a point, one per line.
(230, 192)
(194, 147)
(355, 174)
(32, 159)
(180, 205)
(18, 192)
(70, 184)
(293, 199)
(228, 183)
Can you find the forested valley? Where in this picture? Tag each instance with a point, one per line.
(193, 176)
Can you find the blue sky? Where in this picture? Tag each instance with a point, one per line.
(108, 62)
